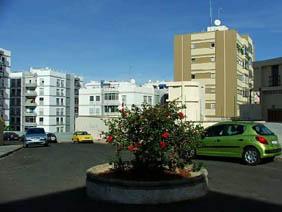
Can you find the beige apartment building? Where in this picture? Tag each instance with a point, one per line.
(221, 59)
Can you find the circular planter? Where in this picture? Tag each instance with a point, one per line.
(144, 192)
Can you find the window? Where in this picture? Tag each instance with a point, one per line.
(62, 120)
(111, 108)
(91, 111)
(41, 101)
(212, 45)
(193, 59)
(76, 100)
(235, 129)
(62, 111)
(41, 112)
(123, 99)
(58, 92)
(62, 83)
(91, 98)
(41, 120)
(150, 100)
(145, 99)
(41, 81)
(219, 130)
(62, 101)
(58, 129)
(57, 111)
(62, 129)
(58, 82)
(262, 130)
(111, 96)
(62, 92)
(58, 120)
(41, 91)
(193, 76)
(97, 98)
(212, 105)
(57, 101)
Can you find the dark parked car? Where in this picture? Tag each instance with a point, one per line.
(35, 136)
(51, 137)
(11, 136)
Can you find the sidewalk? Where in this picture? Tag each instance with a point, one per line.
(8, 149)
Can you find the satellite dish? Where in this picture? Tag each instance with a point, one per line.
(217, 22)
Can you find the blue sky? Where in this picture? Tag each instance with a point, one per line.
(119, 39)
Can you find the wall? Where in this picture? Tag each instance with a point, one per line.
(251, 112)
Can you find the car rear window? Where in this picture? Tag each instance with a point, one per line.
(35, 131)
(262, 130)
(82, 133)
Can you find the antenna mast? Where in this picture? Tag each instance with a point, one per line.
(211, 11)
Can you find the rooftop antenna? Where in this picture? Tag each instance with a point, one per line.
(211, 12)
(218, 13)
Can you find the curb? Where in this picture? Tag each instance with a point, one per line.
(10, 152)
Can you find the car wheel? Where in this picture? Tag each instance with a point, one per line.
(251, 156)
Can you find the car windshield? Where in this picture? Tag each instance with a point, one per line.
(82, 133)
(262, 130)
(35, 131)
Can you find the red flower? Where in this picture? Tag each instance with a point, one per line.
(181, 115)
(132, 148)
(110, 139)
(165, 135)
(163, 144)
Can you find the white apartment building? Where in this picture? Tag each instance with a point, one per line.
(105, 98)
(190, 94)
(5, 65)
(49, 99)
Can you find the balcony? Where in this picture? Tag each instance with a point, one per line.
(30, 94)
(30, 124)
(30, 103)
(31, 85)
(30, 114)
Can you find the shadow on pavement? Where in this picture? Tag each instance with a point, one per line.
(231, 160)
(77, 200)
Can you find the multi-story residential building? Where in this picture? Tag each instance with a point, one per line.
(5, 65)
(105, 98)
(16, 99)
(47, 99)
(221, 59)
(268, 82)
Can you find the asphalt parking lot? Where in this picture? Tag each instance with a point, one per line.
(53, 178)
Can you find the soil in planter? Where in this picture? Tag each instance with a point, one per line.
(133, 175)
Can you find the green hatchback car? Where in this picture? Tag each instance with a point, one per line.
(247, 140)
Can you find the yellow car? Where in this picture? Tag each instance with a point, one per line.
(82, 136)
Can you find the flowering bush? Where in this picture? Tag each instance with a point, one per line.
(158, 137)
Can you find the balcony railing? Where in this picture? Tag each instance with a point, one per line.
(30, 124)
(30, 114)
(31, 93)
(30, 104)
(31, 85)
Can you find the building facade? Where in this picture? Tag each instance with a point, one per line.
(221, 59)
(48, 99)
(105, 98)
(16, 99)
(5, 65)
(268, 83)
(191, 95)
